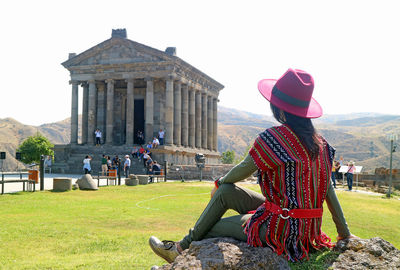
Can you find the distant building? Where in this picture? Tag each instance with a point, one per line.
(129, 87)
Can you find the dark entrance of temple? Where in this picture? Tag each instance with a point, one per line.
(139, 120)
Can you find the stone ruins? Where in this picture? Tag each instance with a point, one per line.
(129, 87)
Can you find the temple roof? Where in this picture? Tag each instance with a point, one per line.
(120, 51)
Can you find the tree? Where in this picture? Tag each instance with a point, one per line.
(35, 146)
(228, 157)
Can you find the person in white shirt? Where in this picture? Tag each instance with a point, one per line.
(161, 134)
(146, 156)
(98, 137)
(156, 142)
(127, 165)
(86, 164)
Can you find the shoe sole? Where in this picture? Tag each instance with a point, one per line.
(159, 254)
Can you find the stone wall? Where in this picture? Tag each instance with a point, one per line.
(209, 173)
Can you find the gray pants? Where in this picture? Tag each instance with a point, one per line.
(210, 224)
(127, 171)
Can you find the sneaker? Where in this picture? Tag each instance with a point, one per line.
(165, 249)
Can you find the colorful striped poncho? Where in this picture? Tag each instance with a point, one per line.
(290, 179)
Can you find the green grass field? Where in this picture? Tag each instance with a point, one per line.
(109, 228)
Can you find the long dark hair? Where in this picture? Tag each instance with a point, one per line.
(302, 127)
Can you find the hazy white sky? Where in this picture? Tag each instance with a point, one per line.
(350, 47)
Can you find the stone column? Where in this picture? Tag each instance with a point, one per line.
(92, 111)
(185, 115)
(149, 110)
(177, 113)
(215, 124)
(192, 118)
(85, 108)
(101, 104)
(169, 111)
(210, 123)
(198, 119)
(110, 112)
(204, 120)
(130, 110)
(74, 112)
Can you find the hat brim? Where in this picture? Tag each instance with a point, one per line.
(314, 110)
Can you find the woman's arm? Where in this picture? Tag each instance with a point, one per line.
(337, 213)
(241, 171)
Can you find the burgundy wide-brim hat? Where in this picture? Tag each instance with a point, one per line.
(292, 93)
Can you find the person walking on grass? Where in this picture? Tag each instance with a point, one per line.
(294, 165)
(86, 164)
(349, 175)
(333, 174)
(127, 165)
(104, 166)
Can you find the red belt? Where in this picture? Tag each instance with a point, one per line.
(293, 213)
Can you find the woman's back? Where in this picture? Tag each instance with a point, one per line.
(290, 179)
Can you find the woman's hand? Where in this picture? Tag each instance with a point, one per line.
(213, 191)
(351, 236)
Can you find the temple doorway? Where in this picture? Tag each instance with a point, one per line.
(138, 120)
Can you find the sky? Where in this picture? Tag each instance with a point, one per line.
(351, 48)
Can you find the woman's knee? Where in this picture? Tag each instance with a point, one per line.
(227, 192)
(225, 188)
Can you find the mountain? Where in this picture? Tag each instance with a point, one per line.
(361, 137)
(228, 116)
(13, 133)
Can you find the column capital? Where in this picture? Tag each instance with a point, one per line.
(185, 86)
(177, 82)
(73, 82)
(109, 81)
(148, 79)
(171, 77)
(84, 84)
(132, 80)
(91, 81)
(100, 85)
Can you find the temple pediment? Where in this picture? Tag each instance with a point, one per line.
(117, 51)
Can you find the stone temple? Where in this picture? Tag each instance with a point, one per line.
(129, 87)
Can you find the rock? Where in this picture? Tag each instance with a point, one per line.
(132, 180)
(374, 253)
(86, 182)
(226, 253)
(75, 186)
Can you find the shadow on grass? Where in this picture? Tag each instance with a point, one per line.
(319, 260)
(59, 191)
(16, 193)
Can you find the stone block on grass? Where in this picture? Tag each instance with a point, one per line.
(62, 184)
(143, 179)
(132, 180)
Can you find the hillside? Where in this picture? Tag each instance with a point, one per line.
(12, 134)
(360, 137)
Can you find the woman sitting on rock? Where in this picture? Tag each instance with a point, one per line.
(294, 166)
